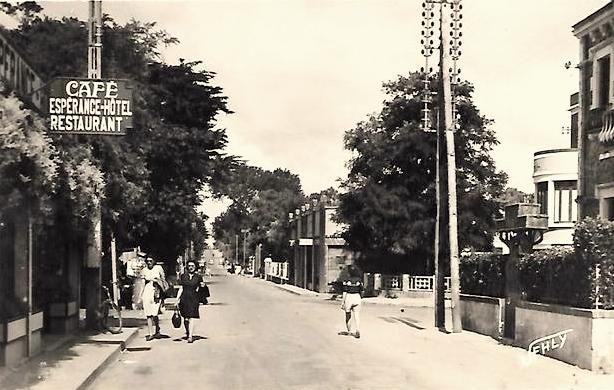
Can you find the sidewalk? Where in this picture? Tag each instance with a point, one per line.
(69, 362)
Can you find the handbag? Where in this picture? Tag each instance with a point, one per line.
(203, 294)
(176, 319)
(165, 289)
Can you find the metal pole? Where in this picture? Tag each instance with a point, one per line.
(29, 317)
(236, 249)
(114, 278)
(448, 126)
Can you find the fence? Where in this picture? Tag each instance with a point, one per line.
(276, 271)
(411, 283)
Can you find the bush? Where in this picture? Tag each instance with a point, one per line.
(556, 275)
(582, 276)
(594, 246)
(483, 274)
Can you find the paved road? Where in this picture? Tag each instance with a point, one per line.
(256, 336)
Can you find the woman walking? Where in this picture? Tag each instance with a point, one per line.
(153, 275)
(188, 299)
(351, 302)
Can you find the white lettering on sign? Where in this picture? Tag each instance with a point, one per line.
(90, 106)
(549, 343)
(92, 89)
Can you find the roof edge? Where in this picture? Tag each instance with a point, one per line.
(593, 15)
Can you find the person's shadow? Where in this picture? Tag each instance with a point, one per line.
(195, 338)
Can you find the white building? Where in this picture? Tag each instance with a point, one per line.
(555, 175)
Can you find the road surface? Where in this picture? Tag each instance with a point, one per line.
(256, 336)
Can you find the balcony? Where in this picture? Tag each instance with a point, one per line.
(606, 133)
(594, 120)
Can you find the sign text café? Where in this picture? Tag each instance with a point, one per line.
(86, 106)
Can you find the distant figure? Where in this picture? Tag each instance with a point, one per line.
(188, 298)
(153, 275)
(352, 288)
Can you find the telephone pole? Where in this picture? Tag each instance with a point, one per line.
(94, 40)
(449, 52)
(92, 278)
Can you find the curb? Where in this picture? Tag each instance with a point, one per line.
(121, 346)
(295, 292)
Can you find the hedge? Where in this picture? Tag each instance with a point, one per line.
(483, 274)
(556, 275)
(582, 276)
(594, 245)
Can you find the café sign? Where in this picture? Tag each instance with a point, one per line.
(88, 106)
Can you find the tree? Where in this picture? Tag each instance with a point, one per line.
(389, 200)
(152, 176)
(29, 163)
(261, 201)
(513, 195)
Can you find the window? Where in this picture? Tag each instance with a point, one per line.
(604, 81)
(565, 193)
(542, 196)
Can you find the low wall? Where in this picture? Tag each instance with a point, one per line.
(581, 337)
(482, 314)
(14, 344)
(63, 317)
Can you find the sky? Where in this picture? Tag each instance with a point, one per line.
(299, 73)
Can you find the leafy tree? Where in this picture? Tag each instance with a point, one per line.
(261, 201)
(153, 174)
(25, 12)
(29, 163)
(513, 195)
(329, 195)
(389, 200)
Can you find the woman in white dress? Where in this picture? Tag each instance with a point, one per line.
(153, 275)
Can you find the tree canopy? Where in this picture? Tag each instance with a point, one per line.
(388, 202)
(261, 201)
(149, 180)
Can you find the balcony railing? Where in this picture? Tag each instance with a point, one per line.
(416, 283)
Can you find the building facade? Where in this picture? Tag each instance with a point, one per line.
(319, 251)
(555, 175)
(595, 34)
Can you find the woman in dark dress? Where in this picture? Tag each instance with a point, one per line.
(187, 297)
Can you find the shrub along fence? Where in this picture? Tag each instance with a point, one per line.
(582, 276)
(483, 274)
(564, 293)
